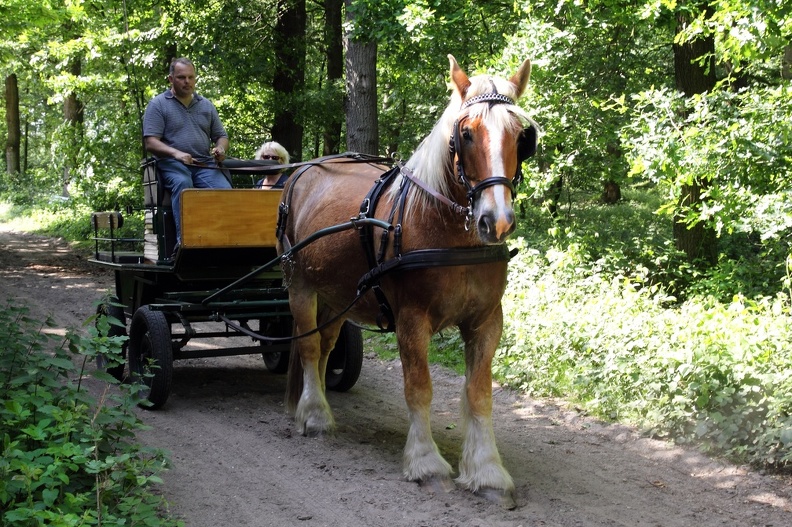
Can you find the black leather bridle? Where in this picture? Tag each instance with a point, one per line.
(455, 146)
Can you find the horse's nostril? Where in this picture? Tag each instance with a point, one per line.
(512, 220)
(485, 224)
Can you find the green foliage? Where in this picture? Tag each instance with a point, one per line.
(69, 457)
(591, 318)
(616, 322)
(569, 92)
(706, 372)
(736, 144)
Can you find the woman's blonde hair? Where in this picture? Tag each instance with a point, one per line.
(273, 148)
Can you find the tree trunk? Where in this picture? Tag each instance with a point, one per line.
(289, 78)
(361, 94)
(698, 241)
(611, 192)
(12, 124)
(693, 77)
(334, 52)
(73, 116)
(786, 63)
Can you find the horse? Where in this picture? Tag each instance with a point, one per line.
(438, 264)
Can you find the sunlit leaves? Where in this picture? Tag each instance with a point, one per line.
(740, 143)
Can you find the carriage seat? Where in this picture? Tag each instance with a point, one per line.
(160, 227)
(211, 218)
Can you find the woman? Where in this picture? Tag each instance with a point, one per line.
(274, 151)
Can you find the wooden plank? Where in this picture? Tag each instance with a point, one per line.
(106, 220)
(229, 217)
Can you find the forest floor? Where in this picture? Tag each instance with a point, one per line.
(237, 459)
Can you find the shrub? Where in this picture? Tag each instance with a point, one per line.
(69, 457)
(699, 371)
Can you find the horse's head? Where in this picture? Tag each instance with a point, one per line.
(488, 145)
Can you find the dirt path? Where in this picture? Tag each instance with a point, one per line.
(237, 460)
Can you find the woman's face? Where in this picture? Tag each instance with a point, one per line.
(270, 155)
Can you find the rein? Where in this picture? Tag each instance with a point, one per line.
(456, 207)
(236, 164)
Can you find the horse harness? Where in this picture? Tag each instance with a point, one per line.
(419, 258)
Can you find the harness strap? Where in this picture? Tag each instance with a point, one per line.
(429, 258)
(456, 207)
(367, 208)
(283, 208)
(385, 319)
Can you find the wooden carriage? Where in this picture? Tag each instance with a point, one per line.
(223, 281)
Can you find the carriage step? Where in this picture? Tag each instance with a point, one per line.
(121, 257)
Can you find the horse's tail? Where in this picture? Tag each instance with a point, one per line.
(294, 380)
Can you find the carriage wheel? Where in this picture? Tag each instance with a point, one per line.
(151, 355)
(277, 362)
(346, 359)
(109, 309)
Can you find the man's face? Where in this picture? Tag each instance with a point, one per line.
(182, 80)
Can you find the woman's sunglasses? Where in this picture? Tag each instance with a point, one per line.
(265, 156)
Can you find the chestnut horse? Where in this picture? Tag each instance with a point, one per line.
(456, 277)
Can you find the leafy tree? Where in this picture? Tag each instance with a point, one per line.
(289, 79)
(694, 72)
(715, 149)
(12, 124)
(361, 83)
(334, 53)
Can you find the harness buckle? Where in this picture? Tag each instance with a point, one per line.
(364, 207)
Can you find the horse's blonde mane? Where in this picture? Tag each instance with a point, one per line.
(432, 161)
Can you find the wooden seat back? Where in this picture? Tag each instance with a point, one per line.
(217, 218)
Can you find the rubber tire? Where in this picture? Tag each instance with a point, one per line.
(108, 309)
(277, 362)
(346, 359)
(150, 344)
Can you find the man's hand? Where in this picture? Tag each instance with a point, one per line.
(155, 146)
(219, 153)
(184, 157)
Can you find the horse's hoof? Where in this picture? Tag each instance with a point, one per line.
(437, 484)
(318, 432)
(504, 498)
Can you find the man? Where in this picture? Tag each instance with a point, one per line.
(179, 129)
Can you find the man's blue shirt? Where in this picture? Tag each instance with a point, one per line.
(190, 129)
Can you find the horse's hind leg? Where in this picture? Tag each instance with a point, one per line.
(422, 459)
(308, 402)
(480, 468)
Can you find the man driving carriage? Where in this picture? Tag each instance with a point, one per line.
(179, 129)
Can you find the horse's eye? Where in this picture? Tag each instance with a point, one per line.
(466, 135)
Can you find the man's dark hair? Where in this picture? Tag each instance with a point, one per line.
(180, 60)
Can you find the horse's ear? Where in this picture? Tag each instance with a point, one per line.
(520, 79)
(459, 78)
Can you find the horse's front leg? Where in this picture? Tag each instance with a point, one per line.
(422, 459)
(480, 468)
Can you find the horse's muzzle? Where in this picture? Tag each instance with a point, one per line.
(494, 229)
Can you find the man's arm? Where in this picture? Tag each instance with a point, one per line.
(160, 149)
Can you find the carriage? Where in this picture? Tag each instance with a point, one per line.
(222, 282)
